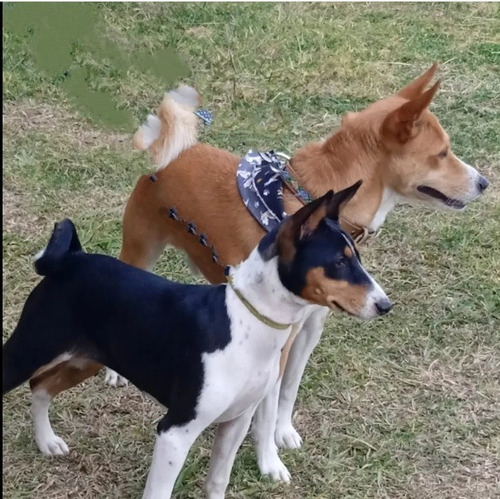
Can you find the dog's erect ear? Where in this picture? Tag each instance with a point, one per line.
(340, 199)
(403, 123)
(301, 224)
(416, 87)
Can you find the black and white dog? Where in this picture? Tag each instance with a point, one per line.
(210, 354)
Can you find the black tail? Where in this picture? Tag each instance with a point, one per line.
(64, 239)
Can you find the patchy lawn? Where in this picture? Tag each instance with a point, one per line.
(406, 407)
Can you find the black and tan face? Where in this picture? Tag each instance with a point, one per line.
(318, 261)
(420, 160)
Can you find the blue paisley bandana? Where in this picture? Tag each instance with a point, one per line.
(260, 177)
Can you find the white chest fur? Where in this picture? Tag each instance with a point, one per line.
(241, 374)
(389, 200)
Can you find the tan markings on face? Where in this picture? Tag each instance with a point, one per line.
(348, 252)
(329, 292)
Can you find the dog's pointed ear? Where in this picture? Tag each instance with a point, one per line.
(416, 87)
(340, 199)
(403, 123)
(301, 224)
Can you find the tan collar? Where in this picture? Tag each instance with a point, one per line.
(359, 234)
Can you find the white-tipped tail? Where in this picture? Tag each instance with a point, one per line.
(39, 255)
(186, 96)
(174, 130)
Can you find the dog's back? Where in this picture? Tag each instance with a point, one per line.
(79, 310)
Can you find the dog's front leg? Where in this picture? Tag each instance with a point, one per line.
(171, 448)
(286, 436)
(228, 439)
(263, 432)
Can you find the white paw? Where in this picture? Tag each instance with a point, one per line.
(286, 437)
(52, 446)
(112, 378)
(274, 467)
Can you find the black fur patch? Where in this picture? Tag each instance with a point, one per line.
(324, 248)
(150, 330)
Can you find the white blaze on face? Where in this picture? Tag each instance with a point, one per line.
(374, 295)
(473, 176)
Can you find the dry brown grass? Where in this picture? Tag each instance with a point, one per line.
(407, 407)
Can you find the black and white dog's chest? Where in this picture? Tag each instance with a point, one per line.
(240, 374)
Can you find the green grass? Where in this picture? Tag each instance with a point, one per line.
(408, 406)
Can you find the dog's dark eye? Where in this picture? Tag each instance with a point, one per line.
(443, 154)
(340, 263)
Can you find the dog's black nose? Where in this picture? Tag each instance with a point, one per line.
(383, 307)
(482, 183)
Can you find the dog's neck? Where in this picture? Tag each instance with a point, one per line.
(258, 281)
(344, 158)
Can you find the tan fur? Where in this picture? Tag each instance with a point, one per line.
(294, 229)
(324, 291)
(176, 127)
(286, 349)
(348, 252)
(56, 378)
(313, 221)
(417, 86)
(201, 184)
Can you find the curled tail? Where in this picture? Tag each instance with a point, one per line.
(64, 239)
(174, 130)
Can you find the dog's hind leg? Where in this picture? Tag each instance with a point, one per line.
(44, 356)
(47, 382)
(228, 440)
(145, 226)
(286, 436)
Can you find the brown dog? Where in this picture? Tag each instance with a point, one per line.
(396, 146)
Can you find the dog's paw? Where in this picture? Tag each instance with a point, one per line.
(286, 437)
(112, 378)
(273, 466)
(52, 446)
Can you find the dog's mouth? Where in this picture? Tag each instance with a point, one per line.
(450, 202)
(335, 305)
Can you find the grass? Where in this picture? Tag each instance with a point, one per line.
(405, 407)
